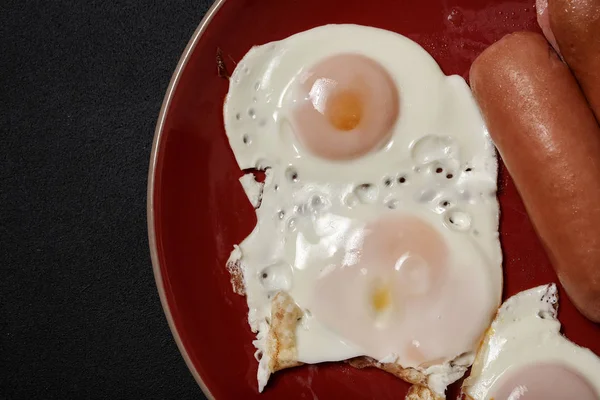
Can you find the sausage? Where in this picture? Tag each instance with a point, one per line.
(543, 20)
(573, 28)
(550, 142)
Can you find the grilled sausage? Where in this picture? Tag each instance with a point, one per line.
(550, 142)
(573, 28)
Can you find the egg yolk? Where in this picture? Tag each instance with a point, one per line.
(381, 298)
(401, 293)
(550, 381)
(344, 110)
(402, 261)
(349, 104)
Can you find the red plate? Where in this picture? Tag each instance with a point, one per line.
(197, 210)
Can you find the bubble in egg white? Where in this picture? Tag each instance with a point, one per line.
(443, 205)
(426, 195)
(301, 209)
(457, 220)
(291, 174)
(277, 277)
(432, 148)
(291, 225)
(318, 203)
(350, 200)
(366, 193)
(392, 204)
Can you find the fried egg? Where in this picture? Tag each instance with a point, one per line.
(377, 223)
(525, 357)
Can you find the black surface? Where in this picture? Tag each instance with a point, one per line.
(81, 84)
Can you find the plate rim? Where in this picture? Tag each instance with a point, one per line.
(156, 267)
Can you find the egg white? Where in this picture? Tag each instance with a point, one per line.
(307, 203)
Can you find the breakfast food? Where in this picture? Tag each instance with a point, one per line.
(524, 356)
(573, 28)
(550, 143)
(377, 223)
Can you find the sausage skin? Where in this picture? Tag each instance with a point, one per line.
(550, 143)
(574, 25)
(543, 19)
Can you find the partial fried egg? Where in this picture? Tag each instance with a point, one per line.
(525, 357)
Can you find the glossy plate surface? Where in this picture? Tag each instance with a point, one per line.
(197, 209)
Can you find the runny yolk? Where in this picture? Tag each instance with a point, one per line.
(344, 109)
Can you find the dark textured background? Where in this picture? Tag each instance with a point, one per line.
(81, 84)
